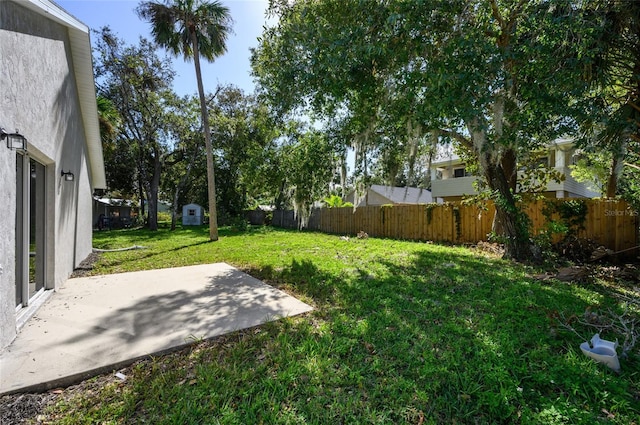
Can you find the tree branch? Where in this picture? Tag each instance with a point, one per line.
(457, 136)
(496, 13)
(515, 13)
(214, 95)
(632, 165)
(178, 157)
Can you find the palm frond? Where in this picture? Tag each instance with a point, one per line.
(173, 21)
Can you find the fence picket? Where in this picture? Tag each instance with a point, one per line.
(611, 223)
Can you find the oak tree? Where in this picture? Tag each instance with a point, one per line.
(495, 77)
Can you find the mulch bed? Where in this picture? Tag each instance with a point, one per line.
(21, 408)
(31, 408)
(85, 267)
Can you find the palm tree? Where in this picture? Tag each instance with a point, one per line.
(108, 119)
(193, 28)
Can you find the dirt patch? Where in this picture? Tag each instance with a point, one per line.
(21, 408)
(492, 248)
(31, 408)
(86, 267)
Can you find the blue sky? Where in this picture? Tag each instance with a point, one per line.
(232, 68)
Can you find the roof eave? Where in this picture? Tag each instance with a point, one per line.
(83, 67)
(83, 70)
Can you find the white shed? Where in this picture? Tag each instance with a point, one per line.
(192, 215)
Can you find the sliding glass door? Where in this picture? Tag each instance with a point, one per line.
(30, 229)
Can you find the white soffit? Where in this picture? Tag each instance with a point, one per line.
(83, 69)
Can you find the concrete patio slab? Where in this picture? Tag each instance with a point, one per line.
(101, 323)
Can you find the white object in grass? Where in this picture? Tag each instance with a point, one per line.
(602, 351)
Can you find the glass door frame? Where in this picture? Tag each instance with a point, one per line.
(22, 231)
(31, 201)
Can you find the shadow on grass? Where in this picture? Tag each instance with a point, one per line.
(161, 242)
(432, 334)
(301, 277)
(139, 235)
(149, 253)
(462, 338)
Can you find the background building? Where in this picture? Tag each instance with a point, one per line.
(450, 180)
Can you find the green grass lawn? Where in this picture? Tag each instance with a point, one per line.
(402, 332)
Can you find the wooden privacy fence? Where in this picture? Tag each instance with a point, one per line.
(611, 223)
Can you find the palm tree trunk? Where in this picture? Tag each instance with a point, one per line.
(211, 181)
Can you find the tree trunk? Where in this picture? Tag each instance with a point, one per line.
(512, 222)
(211, 182)
(508, 165)
(617, 164)
(174, 211)
(141, 193)
(153, 194)
(280, 198)
(152, 222)
(343, 176)
(612, 181)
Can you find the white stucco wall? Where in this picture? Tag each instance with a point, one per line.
(40, 98)
(7, 245)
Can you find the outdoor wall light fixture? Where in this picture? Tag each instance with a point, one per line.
(15, 141)
(67, 175)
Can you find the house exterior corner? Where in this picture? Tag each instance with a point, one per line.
(46, 79)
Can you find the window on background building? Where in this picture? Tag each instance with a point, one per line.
(576, 156)
(459, 172)
(192, 212)
(543, 162)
